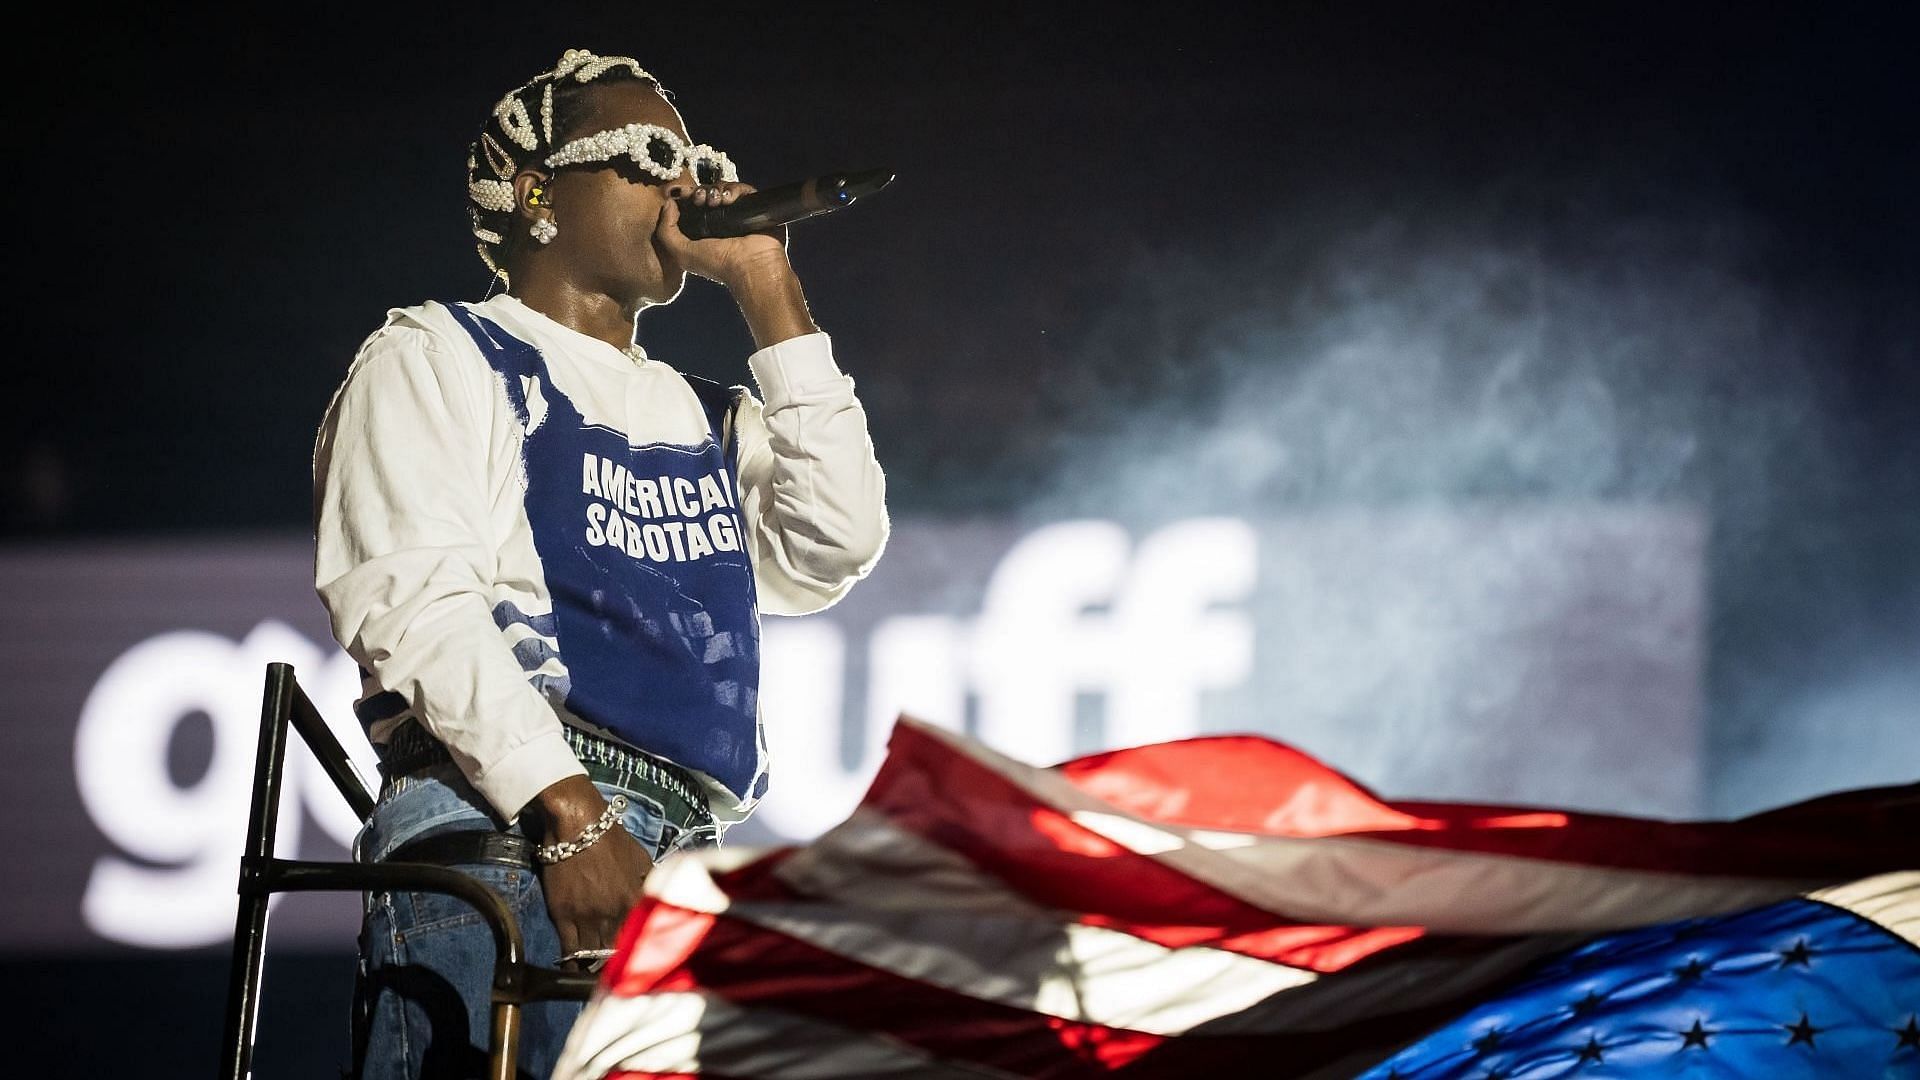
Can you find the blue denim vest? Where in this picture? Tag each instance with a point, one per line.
(644, 551)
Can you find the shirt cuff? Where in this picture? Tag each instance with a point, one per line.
(788, 369)
(530, 768)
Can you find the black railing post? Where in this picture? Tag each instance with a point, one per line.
(515, 982)
(250, 925)
(327, 750)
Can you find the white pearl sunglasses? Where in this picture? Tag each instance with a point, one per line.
(655, 149)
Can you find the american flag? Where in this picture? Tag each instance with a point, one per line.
(1169, 910)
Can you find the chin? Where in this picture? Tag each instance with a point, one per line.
(671, 286)
(664, 288)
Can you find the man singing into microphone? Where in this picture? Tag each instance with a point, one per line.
(549, 552)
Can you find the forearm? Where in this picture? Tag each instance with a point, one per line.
(430, 640)
(815, 495)
(772, 302)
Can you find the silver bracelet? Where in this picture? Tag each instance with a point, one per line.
(590, 960)
(567, 849)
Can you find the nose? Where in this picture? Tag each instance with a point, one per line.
(682, 186)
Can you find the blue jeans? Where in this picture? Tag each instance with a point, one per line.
(421, 999)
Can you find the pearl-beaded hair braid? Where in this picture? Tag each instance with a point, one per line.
(521, 131)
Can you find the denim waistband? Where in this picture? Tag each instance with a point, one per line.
(411, 750)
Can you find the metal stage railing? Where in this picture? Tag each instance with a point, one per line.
(515, 982)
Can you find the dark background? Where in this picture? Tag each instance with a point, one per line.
(1117, 231)
(221, 209)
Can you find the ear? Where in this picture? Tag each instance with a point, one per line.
(532, 192)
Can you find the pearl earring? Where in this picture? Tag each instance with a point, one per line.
(544, 230)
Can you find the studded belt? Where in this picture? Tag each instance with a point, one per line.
(411, 750)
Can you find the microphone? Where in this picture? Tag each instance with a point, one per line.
(783, 205)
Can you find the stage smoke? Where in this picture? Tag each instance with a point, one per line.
(1564, 351)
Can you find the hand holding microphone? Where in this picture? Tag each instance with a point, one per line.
(761, 280)
(783, 205)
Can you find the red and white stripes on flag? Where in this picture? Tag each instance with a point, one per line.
(1151, 912)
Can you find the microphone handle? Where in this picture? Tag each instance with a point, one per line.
(783, 205)
(753, 212)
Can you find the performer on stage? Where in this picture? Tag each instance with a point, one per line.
(549, 552)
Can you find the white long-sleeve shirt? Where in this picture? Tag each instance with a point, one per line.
(422, 534)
